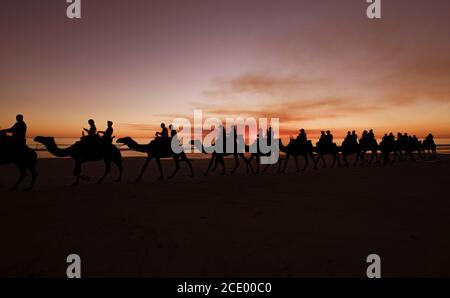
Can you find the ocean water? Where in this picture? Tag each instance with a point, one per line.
(443, 147)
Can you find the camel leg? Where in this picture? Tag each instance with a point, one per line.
(344, 157)
(257, 163)
(107, 171)
(334, 162)
(266, 168)
(186, 160)
(316, 161)
(249, 162)
(296, 163)
(34, 175)
(158, 162)
(236, 163)
(120, 167)
(77, 173)
(323, 160)
(216, 162)
(280, 164)
(177, 167)
(285, 162)
(357, 159)
(23, 174)
(222, 162)
(246, 162)
(149, 158)
(213, 157)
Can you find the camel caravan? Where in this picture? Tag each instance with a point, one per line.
(98, 146)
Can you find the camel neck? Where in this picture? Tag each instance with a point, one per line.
(58, 152)
(137, 147)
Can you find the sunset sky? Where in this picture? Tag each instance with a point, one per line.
(315, 64)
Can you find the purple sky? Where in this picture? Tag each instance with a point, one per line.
(314, 64)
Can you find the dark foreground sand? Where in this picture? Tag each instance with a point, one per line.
(313, 224)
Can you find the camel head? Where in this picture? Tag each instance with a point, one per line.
(44, 140)
(125, 140)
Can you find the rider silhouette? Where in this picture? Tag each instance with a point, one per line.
(18, 131)
(329, 138)
(92, 131)
(173, 132)
(164, 134)
(323, 138)
(302, 138)
(371, 135)
(108, 133)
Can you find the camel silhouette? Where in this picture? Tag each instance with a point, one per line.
(372, 146)
(350, 149)
(430, 147)
(81, 153)
(295, 149)
(157, 150)
(23, 157)
(323, 150)
(218, 158)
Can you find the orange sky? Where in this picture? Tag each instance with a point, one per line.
(314, 64)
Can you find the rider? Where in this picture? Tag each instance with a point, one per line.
(18, 131)
(164, 134)
(173, 131)
(371, 135)
(347, 140)
(354, 137)
(323, 138)
(107, 134)
(329, 138)
(302, 138)
(92, 131)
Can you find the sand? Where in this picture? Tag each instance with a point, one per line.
(310, 224)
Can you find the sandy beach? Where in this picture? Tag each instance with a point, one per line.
(311, 224)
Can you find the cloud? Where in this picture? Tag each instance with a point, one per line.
(262, 83)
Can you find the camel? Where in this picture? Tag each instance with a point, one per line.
(82, 153)
(24, 158)
(217, 158)
(430, 147)
(156, 150)
(323, 150)
(349, 149)
(386, 149)
(294, 148)
(369, 146)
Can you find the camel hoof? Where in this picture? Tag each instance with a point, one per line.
(161, 178)
(98, 182)
(13, 188)
(192, 176)
(170, 177)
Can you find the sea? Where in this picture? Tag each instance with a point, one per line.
(443, 147)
